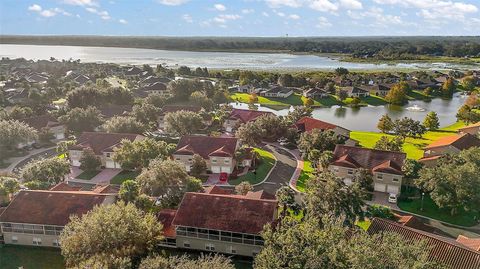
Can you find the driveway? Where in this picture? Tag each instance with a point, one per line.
(19, 162)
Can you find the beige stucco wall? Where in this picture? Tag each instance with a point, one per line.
(387, 179)
(187, 160)
(27, 239)
(220, 246)
(440, 151)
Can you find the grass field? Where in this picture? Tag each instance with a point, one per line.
(124, 175)
(363, 224)
(13, 257)
(87, 175)
(306, 174)
(267, 160)
(412, 146)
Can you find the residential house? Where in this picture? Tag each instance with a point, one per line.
(307, 124)
(353, 91)
(342, 81)
(133, 72)
(218, 152)
(241, 116)
(37, 217)
(220, 222)
(111, 110)
(243, 89)
(46, 122)
(174, 108)
(315, 93)
(440, 249)
(102, 144)
(378, 89)
(37, 78)
(82, 80)
(277, 92)
(385, 166)
(156, 87)
(473, 129)
(448, 145)
(17, 95)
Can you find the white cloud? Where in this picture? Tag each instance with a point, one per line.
(248, 11)
(61, 11)
(288, 3)
(122, 21)
(265, 14)
(102, 13)
(81, 2)
(351, 4)
(323, 22)
(47, 13)
(223, 18)
(172, 2)
(323, 5)
(35, 8)
(220, 7)
(281, 14)
(187, 18)
(294, 17)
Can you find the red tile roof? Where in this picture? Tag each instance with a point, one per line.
(471, 243)
(371, 159)
(232, 213)
(260, 195)
(413, 222)
(166, 216)
(43, 121)
(245, 115)
(461, 142)
(217, 190)
(206, 146)
(51, 207)
(307, 124)
(443, 250)
(63, 186)
(101, 142)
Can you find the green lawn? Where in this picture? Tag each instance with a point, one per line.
(124, 175)
(363, 224)
(267, 160)
(12, 257)
(430, 209)
(412, 146)
(306, 174)
(87, 175)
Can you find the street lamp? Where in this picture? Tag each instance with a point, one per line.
(423, 195)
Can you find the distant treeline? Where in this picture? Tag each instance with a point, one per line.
(382, 48)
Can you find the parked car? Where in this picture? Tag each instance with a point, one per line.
(223, 177)
(392, 198)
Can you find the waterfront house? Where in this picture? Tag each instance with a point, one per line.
(240, 116)
(307, 124)
(448, 145)
(277, 92)
(315, 93)
(354, 91)
(378, 89)
(385, 166)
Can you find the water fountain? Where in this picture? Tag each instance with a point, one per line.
(415, 108)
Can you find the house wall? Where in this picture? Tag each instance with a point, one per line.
(16, 235)
(220, 246)
(58, 131)
(440, 151)
(380, 178)
(475, 130)
(342, 132)
(225, 162)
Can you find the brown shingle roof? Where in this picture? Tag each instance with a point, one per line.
(51, 207)
(100, 142)
(206, 146)
(245, 115)
(471, 243)
(43, 121)
(217, 190)
(63, 186)
(443, 250)
(225, 212)
(371, 159)
(461, 142)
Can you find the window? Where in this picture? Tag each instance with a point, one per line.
(108, 154)
(186, 244)
(350, 171)
(214, 160)
(233, 250)
(37, 241)
(210, 247)
(190, 160)
(14, 239)
(335, 169)
(177, 159)
(56, 243)
(227, 161)
(380, 176)
(395, 179)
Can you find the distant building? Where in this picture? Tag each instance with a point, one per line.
(473, 129)
(241, 116)
(277, 92)
(448, 145)
(315, 93)
(358, 92)
(307, 124)
(46, 122)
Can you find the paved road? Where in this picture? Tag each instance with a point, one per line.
(41, 155)
(282, 172)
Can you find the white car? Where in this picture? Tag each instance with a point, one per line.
(392, 198)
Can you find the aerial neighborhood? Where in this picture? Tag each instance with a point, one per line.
(110, 163)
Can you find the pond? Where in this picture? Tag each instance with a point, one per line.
(366, 118)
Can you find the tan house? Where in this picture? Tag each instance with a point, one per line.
(240, 116)
(385, 166)
(218, 221)
(218, 152)
(46, 122)
(37, 217)
(473, 129)
(102, 144)
(448, 145)
(307, 124)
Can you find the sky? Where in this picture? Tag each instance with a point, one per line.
(240, 17)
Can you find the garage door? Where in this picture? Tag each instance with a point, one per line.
(112, 164)
(75, 163)
(347, 181)
(216, 169)
(379, 187)
(225, 169)
(60, 136)
(392, 189)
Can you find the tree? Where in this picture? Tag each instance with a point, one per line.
(84, 97)
(408, 127)
(285, 80)
(395, 144)
(243, 188)
(329, 195)
(342, 94)
(250, 133)
(8, 186)
(184, 70)
(82, 119)
(181, 89)
(286, 198)
(135, 155)
(448, 88)
(308, 102)
(472, 101)
(364, 179)
(318, 139)
(184, 262)
(129, 191)
(431, 121)
(51, 171)
(118, 96)
(110, 232)
(341, 71)
(146, 114)
(89, 161)
(167, 179)
(199, 165)
(201, 99)
(411, 168)
(122, 124)
(297, 113)
(379, 211)
(468, 83)
(62, 146)
(155, 99)
(385, 124)
(325, 159)
(183, 122)
(468, 115)
(454, 183)
(398, 94)
(12, 133)
(19, 112)
(272, 127)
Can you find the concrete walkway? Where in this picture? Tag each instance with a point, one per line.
(17, 162)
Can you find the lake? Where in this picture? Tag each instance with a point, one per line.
(366, 118)
(212, 60)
